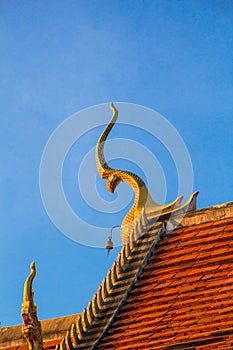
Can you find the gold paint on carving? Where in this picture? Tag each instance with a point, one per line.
(143, 199)
(32, 327)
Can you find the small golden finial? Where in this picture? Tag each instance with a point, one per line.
(32, 327)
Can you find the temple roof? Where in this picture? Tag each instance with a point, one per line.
(183, 295)
(169, 288)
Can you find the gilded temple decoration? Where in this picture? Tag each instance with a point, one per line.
(143, 199)
(32, 327)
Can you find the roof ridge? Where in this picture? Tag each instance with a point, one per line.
(102, 298)
(160, 235)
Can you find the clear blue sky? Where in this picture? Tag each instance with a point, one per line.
(58, 57)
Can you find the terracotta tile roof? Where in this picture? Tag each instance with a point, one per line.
(164, 293)
(184, 296)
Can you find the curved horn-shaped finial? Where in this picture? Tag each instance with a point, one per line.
(28, 291)
(32, 327)
(143, 199)
(102, 165)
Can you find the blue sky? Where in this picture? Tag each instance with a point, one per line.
(59, 57)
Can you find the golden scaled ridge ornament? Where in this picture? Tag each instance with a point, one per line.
(32, 328)
(143, 199)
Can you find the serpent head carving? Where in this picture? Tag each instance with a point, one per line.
(112, 183)
(143, 199)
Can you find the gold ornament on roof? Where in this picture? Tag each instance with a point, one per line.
(143, 199)
(32, 327)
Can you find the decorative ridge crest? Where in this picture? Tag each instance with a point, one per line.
(32, 327)
(80, 328)
(161, 230)
(143, 199)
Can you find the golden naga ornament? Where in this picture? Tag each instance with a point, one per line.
(32, 328)
(143, 199)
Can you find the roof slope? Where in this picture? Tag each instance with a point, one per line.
(167, 285)
(184, 296)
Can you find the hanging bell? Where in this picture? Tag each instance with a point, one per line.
(109, 244)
